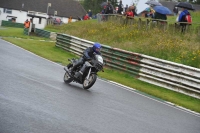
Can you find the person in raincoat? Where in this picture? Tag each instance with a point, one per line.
(161, 17)
(182, 18)
(129, 12)
(147, 12)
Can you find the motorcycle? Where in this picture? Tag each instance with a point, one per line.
(88, 71)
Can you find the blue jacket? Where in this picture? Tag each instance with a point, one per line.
(183, 13)
(89, 53)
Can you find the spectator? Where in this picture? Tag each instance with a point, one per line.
(152, 12)
(182, 17)
(129, 12)
(86, 17)
(147, 12)
(177, 25)
(90, 13)
(13, 20)
(104, 10)
(175, 10)
(120, 8)
(179, 12)
(103, 17)
(160, 16)
(57, 21)
(134, 10)
(126, 8)
(70, 19)
(109, 8)
(27, 24)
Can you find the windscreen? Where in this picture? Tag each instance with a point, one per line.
(99, 58)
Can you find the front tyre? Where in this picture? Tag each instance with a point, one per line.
(89, 82)
(67, 79)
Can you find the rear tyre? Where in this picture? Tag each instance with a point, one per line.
(89, 83)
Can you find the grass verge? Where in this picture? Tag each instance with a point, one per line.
(49, 51)
(171, 44)
(17, 33)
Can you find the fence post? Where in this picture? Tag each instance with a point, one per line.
(148, 24)
(139, 23)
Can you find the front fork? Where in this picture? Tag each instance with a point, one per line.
(87, 78)
(88, 74)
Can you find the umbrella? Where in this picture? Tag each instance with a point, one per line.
(141, 6)
(104, 4)
(153, 3)
(185, 5)
(162, 10)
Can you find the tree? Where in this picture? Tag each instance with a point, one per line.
(197, 2)
(93, 5)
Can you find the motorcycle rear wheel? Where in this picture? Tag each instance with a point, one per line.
(89, 83)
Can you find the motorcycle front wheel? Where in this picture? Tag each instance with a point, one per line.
(89, 82)
(67, 79)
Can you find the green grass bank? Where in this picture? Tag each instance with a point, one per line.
(169, 45)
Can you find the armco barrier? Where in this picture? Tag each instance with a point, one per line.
(12, 24)
(177, 77)
(42, 33)
(26, 32)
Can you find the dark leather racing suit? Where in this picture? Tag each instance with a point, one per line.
(87, 55)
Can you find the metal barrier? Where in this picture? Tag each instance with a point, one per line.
(173, 76)
(26, 31)
(42, 33)
(12, 24)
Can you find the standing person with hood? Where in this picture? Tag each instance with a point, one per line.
(109, 8)
(182, 18)
(120, 8)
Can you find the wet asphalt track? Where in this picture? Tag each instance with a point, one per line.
(34, 99)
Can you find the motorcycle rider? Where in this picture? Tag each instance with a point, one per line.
(87, 55)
